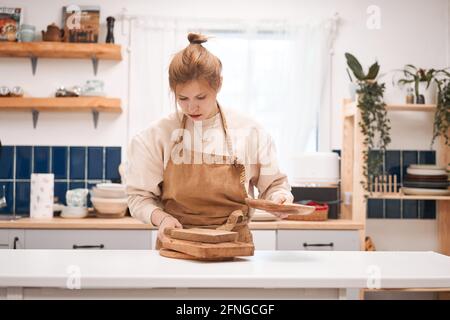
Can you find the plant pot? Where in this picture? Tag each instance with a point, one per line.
(352, 90)
(430, 94)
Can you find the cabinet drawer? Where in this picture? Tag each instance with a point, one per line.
(88, 239)
(4, 242)
(12, 239)
(338, 240)
(264, 239)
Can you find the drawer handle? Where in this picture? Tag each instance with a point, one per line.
(101, 246)
(15, 242)
(306, 245)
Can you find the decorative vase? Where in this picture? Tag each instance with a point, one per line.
(429, 94)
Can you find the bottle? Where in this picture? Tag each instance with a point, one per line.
(410, 96)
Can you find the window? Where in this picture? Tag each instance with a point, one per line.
(257, 72)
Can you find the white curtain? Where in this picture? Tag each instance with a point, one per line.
(274, 70)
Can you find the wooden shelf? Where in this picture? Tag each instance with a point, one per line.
(350, 107)
(407, 197)
(352, 171)
(61, 50)
(62, 104)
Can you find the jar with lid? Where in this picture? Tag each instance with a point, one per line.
(410, 96)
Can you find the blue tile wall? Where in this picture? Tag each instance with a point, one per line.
(73, 167)
(6, 162)
(396, 162)
(95, 163)
(59, 162)
(23, 162)
(113, 155)
(41, 162)
(77, 163)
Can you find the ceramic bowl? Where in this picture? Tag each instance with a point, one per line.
(110, 194)
(106, 206)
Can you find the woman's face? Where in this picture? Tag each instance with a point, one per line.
(197, 99)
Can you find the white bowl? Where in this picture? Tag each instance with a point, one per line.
(74, 212)
(106, 206)
(111, 186)
(105, 193)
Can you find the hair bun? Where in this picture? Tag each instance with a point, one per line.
(196, 38)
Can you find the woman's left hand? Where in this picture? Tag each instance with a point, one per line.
(279, 199)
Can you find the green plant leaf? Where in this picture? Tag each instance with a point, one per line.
(355, 66)
(373, 71)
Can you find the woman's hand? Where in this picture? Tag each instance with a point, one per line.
(279, 199)
(164, 220)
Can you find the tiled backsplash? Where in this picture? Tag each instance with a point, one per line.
(73, 167)
(395, 163)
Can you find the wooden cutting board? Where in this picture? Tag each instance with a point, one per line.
(180, 255)
(291, 208)
(210, 250)
(202, 235)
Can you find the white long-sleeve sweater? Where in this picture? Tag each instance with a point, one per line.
(150, 151)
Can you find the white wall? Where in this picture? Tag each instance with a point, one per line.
(412, 31)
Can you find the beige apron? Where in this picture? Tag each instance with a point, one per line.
(207, 195)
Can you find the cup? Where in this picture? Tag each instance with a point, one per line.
(27, 33)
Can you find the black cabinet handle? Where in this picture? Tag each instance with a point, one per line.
(15, 242)
(100, 246)
(306, 245)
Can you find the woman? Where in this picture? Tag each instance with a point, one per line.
(195, 169)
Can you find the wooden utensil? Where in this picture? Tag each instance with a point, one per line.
(202, 235)
(180, 255)
(291, 208)
(210, 250)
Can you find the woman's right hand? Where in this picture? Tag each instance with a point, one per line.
(164, 220)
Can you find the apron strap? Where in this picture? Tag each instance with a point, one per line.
(225, 131)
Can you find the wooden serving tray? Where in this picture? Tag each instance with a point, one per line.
(290, 208)
(202, 235)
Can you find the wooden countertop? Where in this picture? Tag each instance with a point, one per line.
(128, 223)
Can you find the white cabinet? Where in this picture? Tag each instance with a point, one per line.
(12, 239)
(338, 240)
(88, 239)
(264, 239)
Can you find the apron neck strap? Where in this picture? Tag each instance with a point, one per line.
(225, 130)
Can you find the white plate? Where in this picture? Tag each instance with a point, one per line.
(426, 166)
(423, 191)
(111, 186)
(426, 172)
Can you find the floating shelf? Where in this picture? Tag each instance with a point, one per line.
(406, 197)
(350, 108)
(61, 50)
(62, 104)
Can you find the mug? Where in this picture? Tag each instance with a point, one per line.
(27, 33)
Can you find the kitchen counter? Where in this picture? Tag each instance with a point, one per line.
(268, 274)
(129, 223)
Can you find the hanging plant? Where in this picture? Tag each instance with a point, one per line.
(374, 124)
(442, 114)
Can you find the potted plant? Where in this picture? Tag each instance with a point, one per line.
(422, 79)
(442, 114)
(374, 123)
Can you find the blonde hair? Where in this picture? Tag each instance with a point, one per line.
(195, 62)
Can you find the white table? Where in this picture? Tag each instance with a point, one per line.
(30, 274)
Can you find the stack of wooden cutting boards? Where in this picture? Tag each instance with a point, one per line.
(204, 244)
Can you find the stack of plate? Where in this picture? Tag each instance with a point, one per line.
(426, 179)
(109, 200)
